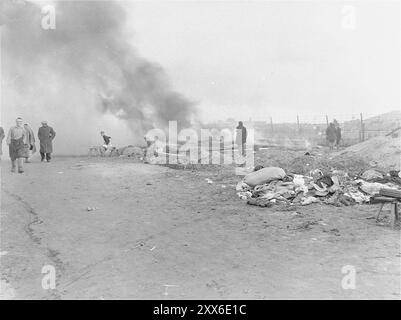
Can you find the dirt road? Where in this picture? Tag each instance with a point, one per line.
(160, 233)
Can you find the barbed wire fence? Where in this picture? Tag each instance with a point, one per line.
(355, 128)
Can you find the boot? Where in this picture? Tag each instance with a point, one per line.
(13, 166)
(20, 162)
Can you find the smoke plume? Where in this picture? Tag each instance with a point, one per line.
(83, 75)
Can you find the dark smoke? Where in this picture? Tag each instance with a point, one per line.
(82, 69)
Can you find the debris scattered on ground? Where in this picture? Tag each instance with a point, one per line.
(131, 151)
(306, 225)
(333, 231)
(140, 244)
(371, 174)
(264, 175)
(272, 186)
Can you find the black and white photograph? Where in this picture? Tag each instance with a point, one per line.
(187, 151)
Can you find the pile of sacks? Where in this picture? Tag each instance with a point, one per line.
(267, 186)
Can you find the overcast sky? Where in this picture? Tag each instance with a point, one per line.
(279, 59)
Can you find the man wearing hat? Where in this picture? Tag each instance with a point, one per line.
(46, 135)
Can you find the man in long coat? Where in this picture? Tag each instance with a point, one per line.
(338, 133)
(331, 135)
(46, 135)
(240, 139)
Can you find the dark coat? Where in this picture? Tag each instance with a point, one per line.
(338, 134)
(17, 149)
(241, 135)
(46, 136)
(331, 133)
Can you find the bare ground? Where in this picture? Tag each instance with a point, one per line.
(160, 233)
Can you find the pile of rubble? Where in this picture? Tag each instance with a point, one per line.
(128, 151)
(384, 150)
(131, 151)
(268, 186)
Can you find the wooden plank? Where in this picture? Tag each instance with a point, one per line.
(390, 193)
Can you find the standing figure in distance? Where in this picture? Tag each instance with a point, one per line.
(331, 135)
(240, 139)
(338, 133)
(46, 135)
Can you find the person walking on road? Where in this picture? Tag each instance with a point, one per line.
(46, 135)
(30, 138)
(16, 139)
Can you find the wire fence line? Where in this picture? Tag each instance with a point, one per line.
(355, 128)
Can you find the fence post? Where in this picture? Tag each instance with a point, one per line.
(362, 129)
(210, 149)
(298, 123)
(327, 120)
(271, 124)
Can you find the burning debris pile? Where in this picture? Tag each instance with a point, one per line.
(268, 186)
(157, 152)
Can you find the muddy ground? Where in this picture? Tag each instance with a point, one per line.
(160, 233)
